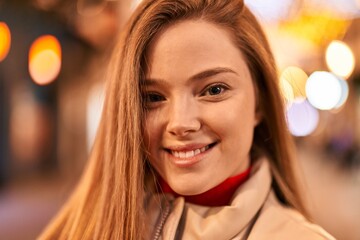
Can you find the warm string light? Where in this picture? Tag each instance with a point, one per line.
(5, 40)
(45, 59)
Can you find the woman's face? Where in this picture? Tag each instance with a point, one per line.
(200, 102)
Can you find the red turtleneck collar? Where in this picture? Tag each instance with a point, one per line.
(217, 196)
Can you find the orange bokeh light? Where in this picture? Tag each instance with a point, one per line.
(5, 40)
(45, 59)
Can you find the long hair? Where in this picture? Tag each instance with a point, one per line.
(108, 201)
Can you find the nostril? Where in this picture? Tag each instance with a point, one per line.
(183, 119)
(183, 128)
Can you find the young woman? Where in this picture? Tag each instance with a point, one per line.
(193, 141)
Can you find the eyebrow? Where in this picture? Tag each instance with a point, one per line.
(202, 75)
(211, 72)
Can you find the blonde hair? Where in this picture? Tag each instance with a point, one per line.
(108, 201)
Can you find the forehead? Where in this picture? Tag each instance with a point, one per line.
(190, 46)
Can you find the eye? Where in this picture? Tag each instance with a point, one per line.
(215, 89)
(153, 97)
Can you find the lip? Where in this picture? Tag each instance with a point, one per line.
(188, 161)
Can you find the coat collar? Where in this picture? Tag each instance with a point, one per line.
(191, 221)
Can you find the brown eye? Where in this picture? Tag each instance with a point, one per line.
(215, 90)
(155, 98)
(152, 97)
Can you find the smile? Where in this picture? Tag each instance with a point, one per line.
(190, 153)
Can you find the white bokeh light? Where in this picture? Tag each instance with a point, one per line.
(302, 118)
(95, 102)
(344, 93)
(340, 59)
(135, 3)
(270, 11)
(323, 90)
(342, 8)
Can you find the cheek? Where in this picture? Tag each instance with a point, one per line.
(234, 122)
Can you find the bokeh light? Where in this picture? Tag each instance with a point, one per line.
(5, 40)
(343, 8)
(286, 90)
(316, 26)
(323, 90)
(344, 93)
(94, 106)
(45, 4)
(90, 8)
(45, 59)
(135, 3)
(302, 118)
(340, 59)
(270, 11)
(297, 78)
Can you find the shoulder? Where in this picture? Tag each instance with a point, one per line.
(276, 221)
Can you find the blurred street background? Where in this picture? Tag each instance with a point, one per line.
(53, 57)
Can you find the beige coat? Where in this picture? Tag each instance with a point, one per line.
(254, 214)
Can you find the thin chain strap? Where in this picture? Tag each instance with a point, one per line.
(164, 214)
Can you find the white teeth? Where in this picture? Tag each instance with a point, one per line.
(189, 154)
(182, 154)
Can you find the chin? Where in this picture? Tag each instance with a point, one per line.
(188, 190)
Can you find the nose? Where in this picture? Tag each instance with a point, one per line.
(183, 118)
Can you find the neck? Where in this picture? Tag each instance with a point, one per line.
(218, 196)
